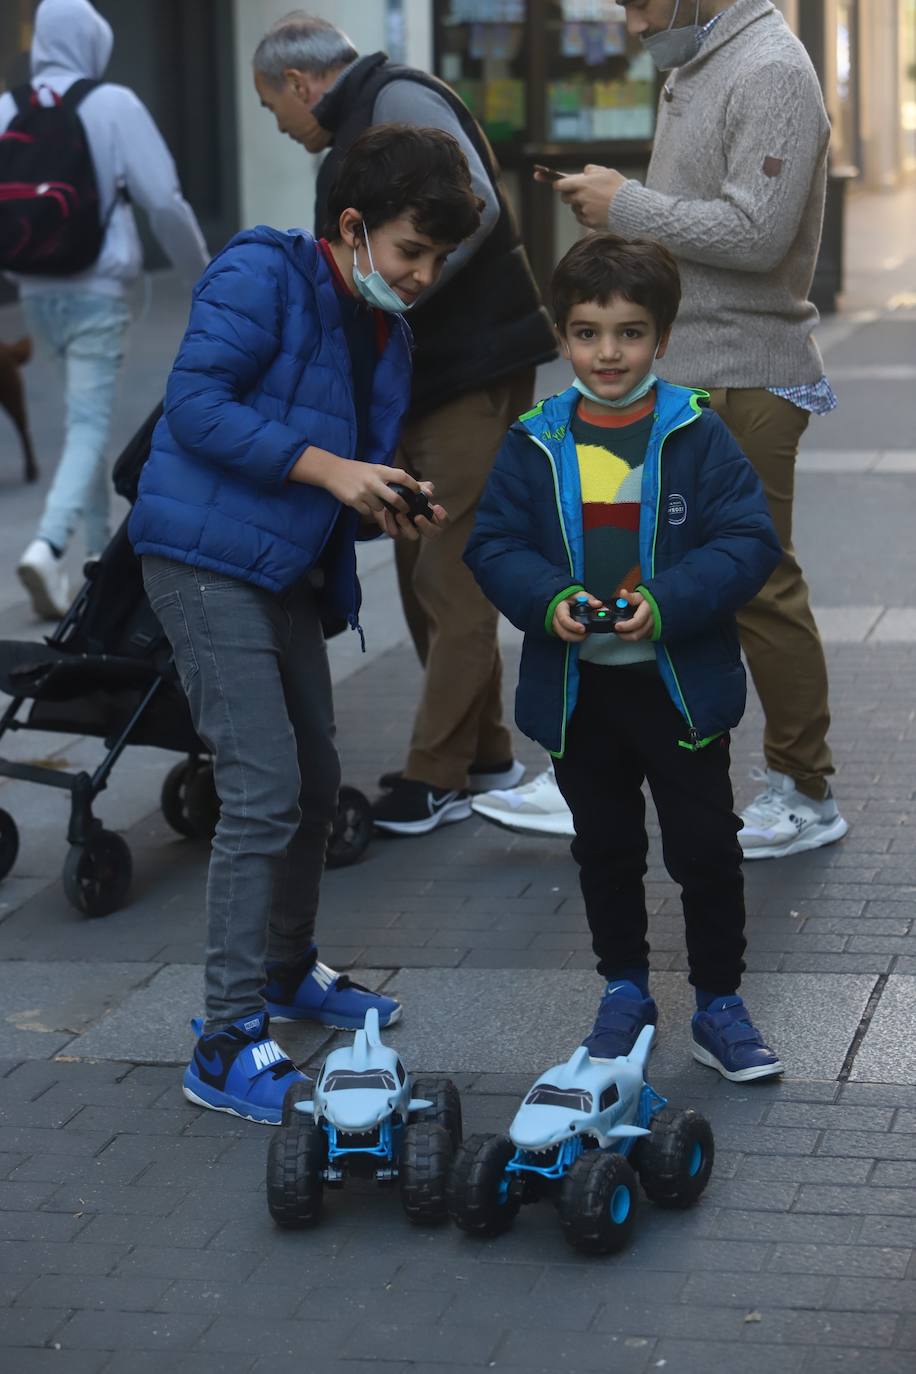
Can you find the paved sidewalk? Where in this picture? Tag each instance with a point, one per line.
(135, 1235)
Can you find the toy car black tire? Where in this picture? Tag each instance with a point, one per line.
(423, 1168)
(675, 1160)
(352, 829)
(97, 874)
(9, 842)
(295, 1161)
(446, 1108)
(481, 1200)
(598, 1199)
(300, 1091)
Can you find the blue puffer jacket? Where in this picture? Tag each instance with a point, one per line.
(706, 546)
(262, 372)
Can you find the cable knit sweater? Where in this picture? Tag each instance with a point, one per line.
(735, 190)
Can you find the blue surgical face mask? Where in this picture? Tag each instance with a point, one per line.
(374, 287)
(673, 47)
(636, 393)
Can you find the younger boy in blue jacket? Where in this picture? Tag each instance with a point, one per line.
(625, 486)
(282, 413)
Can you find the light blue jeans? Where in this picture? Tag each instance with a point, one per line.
(86, 332)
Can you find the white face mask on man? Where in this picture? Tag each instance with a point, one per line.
(675, 46)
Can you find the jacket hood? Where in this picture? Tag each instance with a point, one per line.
(71, 36)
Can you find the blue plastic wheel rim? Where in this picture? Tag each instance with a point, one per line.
(696, 1160)
(620, 1204)
(502, 1192)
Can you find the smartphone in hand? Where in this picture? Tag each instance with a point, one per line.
(551, 173)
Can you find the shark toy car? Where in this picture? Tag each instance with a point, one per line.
(584, 1132)
(363, 1118)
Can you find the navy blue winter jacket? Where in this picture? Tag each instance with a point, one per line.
(263, 371)
(706, 547)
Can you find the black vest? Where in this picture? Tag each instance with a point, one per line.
(487, 321)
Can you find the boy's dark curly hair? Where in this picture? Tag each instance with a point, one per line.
(604, 265)
(397, 169)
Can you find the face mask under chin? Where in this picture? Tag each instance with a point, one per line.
(675, 46)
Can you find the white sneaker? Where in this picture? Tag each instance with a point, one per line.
(44, 580)
(782, 820)
(537, 807)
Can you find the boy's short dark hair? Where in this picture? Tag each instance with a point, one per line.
(397, 169)
(605, 265)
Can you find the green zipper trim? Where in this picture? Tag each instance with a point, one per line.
(695, 407)
(530, 414)
(656, 613)
(694, 747)
(561, 596)
(558, 754)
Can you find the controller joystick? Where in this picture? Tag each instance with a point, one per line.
(415, 501)
(603, 620)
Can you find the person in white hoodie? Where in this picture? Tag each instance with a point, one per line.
(83, 319)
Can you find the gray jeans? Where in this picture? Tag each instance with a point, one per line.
(255, 670)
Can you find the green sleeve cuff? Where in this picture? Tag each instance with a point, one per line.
(560, 596)
(656, 613)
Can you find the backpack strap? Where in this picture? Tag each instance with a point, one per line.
(78, 92)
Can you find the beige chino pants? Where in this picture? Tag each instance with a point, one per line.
(778, 633)
(454, 628)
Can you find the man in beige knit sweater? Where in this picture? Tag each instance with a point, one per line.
(735, 189)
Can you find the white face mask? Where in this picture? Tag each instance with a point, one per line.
(636, 393)
(674, 47)
(374, 287)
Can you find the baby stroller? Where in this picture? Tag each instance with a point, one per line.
(106, 671)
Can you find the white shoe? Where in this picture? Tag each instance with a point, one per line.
(44, 580)
(782, 820)
(538, 807)
(488, 780)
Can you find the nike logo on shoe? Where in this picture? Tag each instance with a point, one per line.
(436, 803)
(266, 1054)
(210, 1070)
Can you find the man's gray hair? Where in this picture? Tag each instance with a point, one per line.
(305, 43)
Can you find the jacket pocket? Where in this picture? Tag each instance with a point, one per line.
(169, 611)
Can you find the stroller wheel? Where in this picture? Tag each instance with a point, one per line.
(189, 801)
(97, 875)
(352, 829)
(9, 842)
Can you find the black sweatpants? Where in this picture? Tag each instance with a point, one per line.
(625, 729)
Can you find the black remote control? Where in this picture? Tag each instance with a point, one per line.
(603, 621)
(415, 501)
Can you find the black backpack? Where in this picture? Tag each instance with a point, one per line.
(50, 219)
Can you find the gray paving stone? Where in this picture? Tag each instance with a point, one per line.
(737, 1224)
(873, 1295)
(878, 1201)
(28, 1326)
(48, 1361)
(888, 1230)
(540, 1349)
(888, 1052)
(117, 1331)
(875, 1361)
(703, 1357)
(805, 1169)
(151, 1362)
(867, 1261)
(876, 1144)
(32, 1258)
(90, 1291)
(758, 1291)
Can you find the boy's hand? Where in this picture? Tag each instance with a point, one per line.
(364, 486)
(403, 527)
(563, 625)
(641, 625)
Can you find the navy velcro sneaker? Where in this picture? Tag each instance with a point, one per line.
(241, 1070)
(725, 1039)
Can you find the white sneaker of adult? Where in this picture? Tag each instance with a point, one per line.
(538, 807)
(44, 580)
(782, 821)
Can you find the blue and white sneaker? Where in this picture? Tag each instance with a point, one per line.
(622, 1014)
(242, 1071)
(725, 1038)
(310, 991)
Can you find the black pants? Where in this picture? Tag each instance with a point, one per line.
(625, 729)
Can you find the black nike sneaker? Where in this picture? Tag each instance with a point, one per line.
(241, 1070)
(414, 808)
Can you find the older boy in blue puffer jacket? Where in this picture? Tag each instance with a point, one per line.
(282, 412)
(627, 487)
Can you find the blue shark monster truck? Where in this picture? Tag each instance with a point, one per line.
(364, 1119)
(584, 1132)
